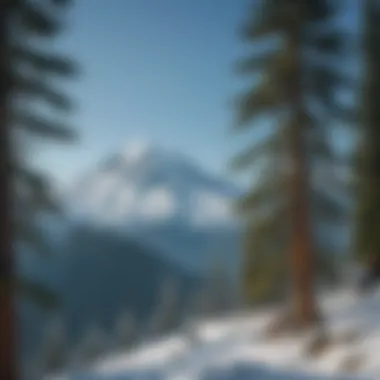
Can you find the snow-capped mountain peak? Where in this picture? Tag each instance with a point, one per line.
(144, 183)
(136, 150)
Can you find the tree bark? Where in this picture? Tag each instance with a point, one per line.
(301, 255)
(301, 262)
(8, 357)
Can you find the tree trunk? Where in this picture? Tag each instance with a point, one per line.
(302, 263)
(301, 255)
(8, 357)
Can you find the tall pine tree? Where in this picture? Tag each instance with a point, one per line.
(294, 87)
(26, 91)
(367, 160)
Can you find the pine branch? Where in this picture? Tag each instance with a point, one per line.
(33, 192)
(329, 43)
(271, 145)
(320, 146)
(264, 195)
(44, 61)
(251, 65)
(62, 3)
(266, 278)
(38, 293)
(38, 89)
(42, 128)
(272, 17)
(29, 235)
(290, 21)
(327, 208)
(257, 102)
(36, 19)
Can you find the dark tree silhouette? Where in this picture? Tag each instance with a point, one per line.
(25, 90)
(279, 210)
(367, 158)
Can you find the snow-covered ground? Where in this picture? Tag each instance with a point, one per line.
(235, 348)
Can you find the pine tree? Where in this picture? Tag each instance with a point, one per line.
(280, 210)
(25, 89)
(366, 165)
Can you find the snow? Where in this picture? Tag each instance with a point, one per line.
(105, 183)
(150, 183)
(125, 202)
(136, 150)
(234, 348)
(211, 208)
(158, 203)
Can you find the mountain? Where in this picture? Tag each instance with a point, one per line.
(97, 275)
(138, 218)
(123, 274)
(154, 186)
(161, 197)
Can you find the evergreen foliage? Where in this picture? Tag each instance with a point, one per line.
(292, 94)
(38, 105)
(34, 70)
(28, 94)
(367, 157)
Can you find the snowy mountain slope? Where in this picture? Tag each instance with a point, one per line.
(151, 185)
(164, 199)
(96, 276)
(234, 349)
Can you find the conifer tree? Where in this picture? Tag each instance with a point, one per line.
(294, 87)
(27, 64)
(367, 160)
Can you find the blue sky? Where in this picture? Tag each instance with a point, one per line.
(153, 69)
(160, 70)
